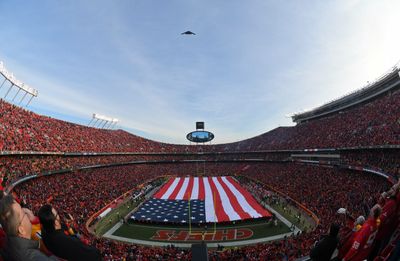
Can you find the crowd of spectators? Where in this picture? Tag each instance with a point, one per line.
(348, 189)
(386, 160)
(23, 130)
(83, 193)
(13, 167)
(374, 123)
(321, 190)
(331, 189)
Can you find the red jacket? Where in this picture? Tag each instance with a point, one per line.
(388, 219)
(348, 241)
(363, 241)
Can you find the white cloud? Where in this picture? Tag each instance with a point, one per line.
(248, 66)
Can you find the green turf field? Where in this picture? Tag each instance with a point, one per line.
(260, 229)
(114, 217)
(247, 230)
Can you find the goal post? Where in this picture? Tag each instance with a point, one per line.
(202, 232)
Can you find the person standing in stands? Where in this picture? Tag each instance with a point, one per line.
(363, 241)
(18, 228)
(61, 245)
(348, 239)
(388, 222)
(324, 249)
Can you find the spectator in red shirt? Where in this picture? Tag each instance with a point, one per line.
(348, 239)
(363, 242)
(388, 222)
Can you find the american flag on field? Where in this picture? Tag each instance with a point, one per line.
(176, 211)
(210, 199)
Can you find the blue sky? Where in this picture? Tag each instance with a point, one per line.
(250, 64)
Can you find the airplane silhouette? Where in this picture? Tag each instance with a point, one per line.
(188, 33)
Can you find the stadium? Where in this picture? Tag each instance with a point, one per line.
(326, 188)
(349, 169)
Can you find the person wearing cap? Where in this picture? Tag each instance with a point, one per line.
(347, 241)
(363, 241)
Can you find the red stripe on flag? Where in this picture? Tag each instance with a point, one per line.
(253, 203)
(188, 192)
(177, 188)
(219, 209)
(202, 192)
(164, 189)
(233, 201)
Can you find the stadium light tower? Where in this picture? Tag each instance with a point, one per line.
(10, 78)
(102, 122)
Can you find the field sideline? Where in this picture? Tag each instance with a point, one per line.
(241, 233)
(143, 234)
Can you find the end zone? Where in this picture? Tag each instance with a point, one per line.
(238, 235)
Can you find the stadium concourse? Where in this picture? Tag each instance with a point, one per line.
(343, 155)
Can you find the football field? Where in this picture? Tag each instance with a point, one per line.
(179, 234)
(200, 200)
(245, 233)
(176, 213)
